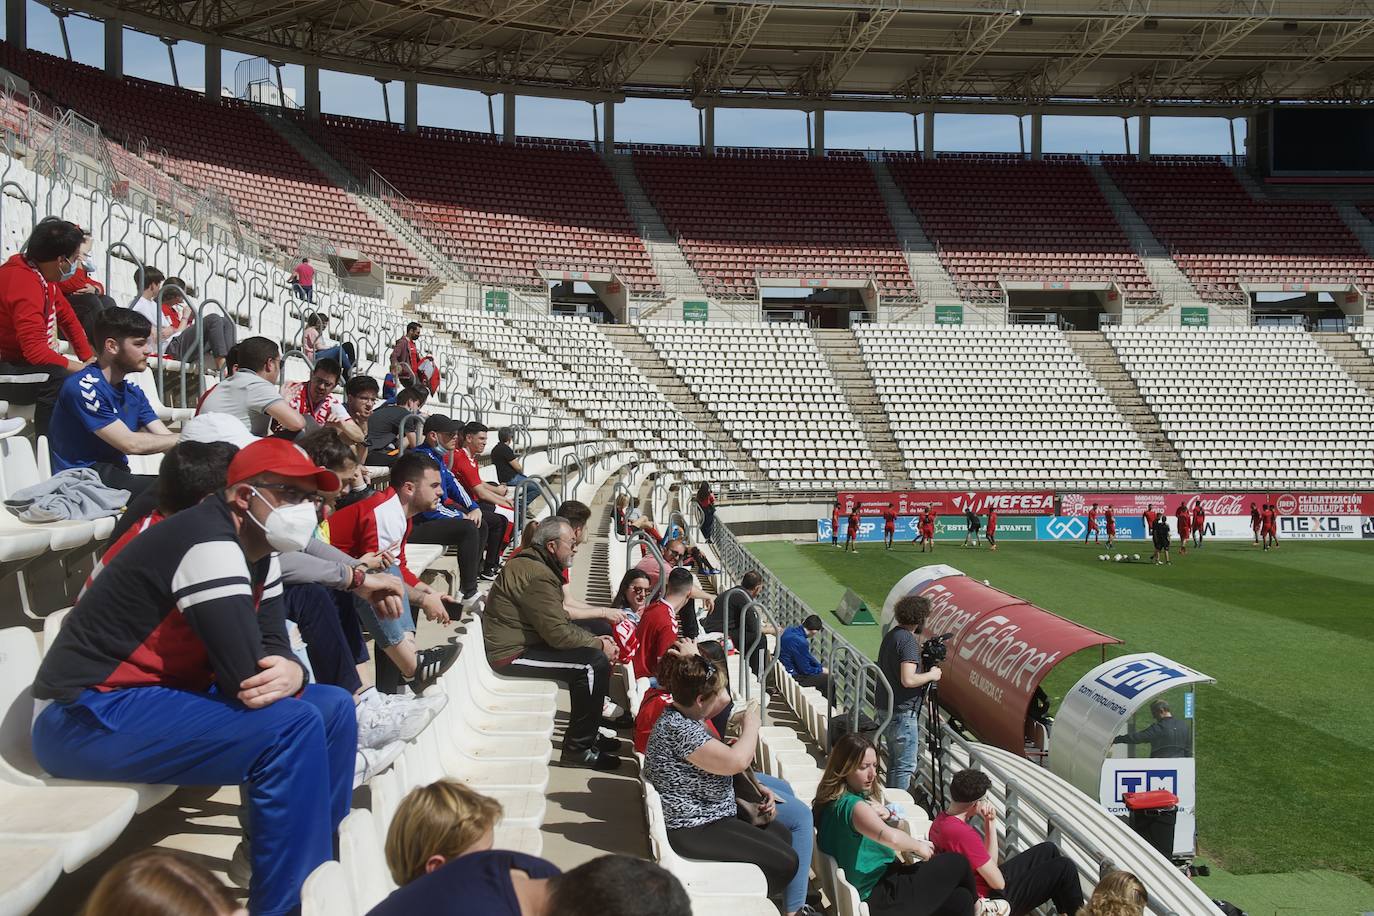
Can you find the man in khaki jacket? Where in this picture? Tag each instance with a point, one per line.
(528, 633)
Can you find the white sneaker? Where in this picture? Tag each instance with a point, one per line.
(372, 760)
(381, 722)
(11, 425)
(611, 710)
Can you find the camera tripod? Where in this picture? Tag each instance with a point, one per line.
(935, 743)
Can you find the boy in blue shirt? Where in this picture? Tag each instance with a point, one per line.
(794, 651)
(100, 418)
(457, 520)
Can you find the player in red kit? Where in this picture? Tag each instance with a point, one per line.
(889, 525)
(928, 531)
(1269, 527)
(1199, 521)
(1185, 527)
(1109, 516)
(852, 535)
(992, 529)
(1149, 517)
(1255, 522)
(1092, 527)
(835, 523)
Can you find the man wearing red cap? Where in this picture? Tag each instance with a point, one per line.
(175, 668)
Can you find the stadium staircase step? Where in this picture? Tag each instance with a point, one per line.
(1350, 356)
(401, 229)
(933, 282)
(638, 351)
(1101, 360)
(841, 352)
(679, 280)
(1174, 287)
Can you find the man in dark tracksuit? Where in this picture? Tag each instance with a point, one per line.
(175, 668)
(1167, 737)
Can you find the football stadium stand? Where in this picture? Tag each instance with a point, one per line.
(998, 218)
(744, 214)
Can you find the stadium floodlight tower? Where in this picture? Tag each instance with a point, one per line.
(1096, 739)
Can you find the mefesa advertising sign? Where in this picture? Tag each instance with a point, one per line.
(1001, 649)
(951, 502)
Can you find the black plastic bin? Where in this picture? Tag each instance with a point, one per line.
(1154, 816)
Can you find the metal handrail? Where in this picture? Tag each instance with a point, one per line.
(642, 539)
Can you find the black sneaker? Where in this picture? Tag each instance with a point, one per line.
(590, 759)
(488, 574)
(607, 744)
(430, 663)
(620, 722)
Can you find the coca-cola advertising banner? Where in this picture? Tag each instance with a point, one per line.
(1001, 650)
(1218, 504)
(950, 502)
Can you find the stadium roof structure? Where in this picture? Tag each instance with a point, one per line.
(1098, 56)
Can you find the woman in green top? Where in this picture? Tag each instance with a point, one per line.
(853, 826)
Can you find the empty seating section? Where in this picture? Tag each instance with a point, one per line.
(736, 217)
(501, 211)
(773, 391)
(573, 361)
(1008, 219)
(1253, 408)
(1000, 407)
(1219, 234)
(1365, 338)
(225, 146)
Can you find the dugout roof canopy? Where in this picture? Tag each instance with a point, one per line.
(900, 55)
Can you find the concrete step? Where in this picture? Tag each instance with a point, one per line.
(841, 352)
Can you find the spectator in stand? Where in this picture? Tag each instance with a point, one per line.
(729, 607)
(160, 882)
(173, 321)
(694, 775)
(794, 651)
(866, 840)
(32, 312)
(439, 851)
(899, 657)
(303, 281)
(315, 399)
(630, 600)
(317, 344)
(384, 440)
(510, 470)
(706, 502)
(405, 358)
(527, 633)
(457, 519)
(472, 442)
(600, 621)
(661, 625)
(85, 295)
(193, 604)
(1119, 893)
(1027, 880)
(360, 400)
(379, 527)
(101, 418)
(251, 394)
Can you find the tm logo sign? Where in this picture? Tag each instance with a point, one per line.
(1128, 781)
(1131, 678)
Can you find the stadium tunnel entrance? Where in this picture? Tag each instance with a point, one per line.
(820, 302)
(1316, 306)
(1083, 305)
(600, 294)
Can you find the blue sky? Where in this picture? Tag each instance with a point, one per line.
(639, 120)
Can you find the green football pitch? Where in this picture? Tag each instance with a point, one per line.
(1285, 741)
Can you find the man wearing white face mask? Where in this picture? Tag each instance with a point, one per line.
(175, 667)
(32, 311)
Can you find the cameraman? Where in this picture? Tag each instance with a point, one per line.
(899, 657)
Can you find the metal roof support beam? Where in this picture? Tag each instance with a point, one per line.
(1037, 136)
(1201, 47)
(312, 92)
(657, 27)
(585, 18)
(508, 118)
(830, 69)
(928, 134)
(1333, 40)
(214, 59)
(17, 23)
(714, 72)
(1078, 54)
(1143, 137)
(708, 129)
(412, 103)
(818, 133)
(975, 37)
(114, 48)
(608, 127)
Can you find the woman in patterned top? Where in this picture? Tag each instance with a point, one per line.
(694, 775)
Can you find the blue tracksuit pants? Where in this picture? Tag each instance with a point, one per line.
(294, 760)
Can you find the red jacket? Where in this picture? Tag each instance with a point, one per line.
(32, 311)
(78, 281)
(356, 529)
